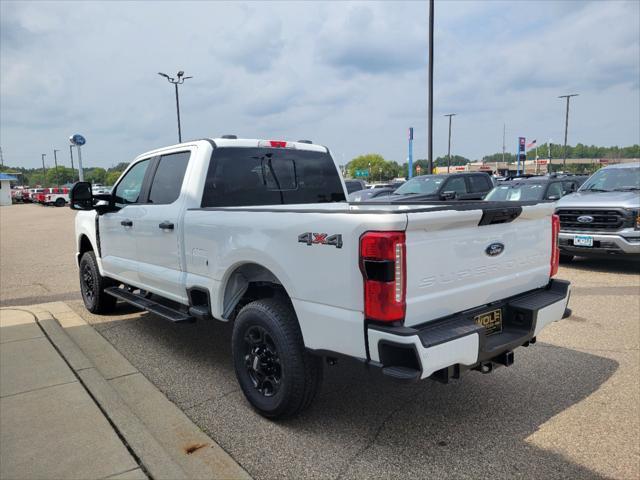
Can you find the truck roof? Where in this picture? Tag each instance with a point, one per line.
(243, 142)
(624, 165)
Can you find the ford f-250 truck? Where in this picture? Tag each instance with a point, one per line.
(258, 232)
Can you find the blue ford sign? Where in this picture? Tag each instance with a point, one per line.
(585, 219)
(77, 139)
(494, 249)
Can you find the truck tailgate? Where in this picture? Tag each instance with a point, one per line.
(449, 269)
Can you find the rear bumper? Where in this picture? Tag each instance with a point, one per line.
(444, 348)
(621, 243)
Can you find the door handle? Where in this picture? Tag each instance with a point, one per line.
(126, 223)
(166, 226)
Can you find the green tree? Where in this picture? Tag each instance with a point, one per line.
(376, 165)
(120, 167)
(497, 157)
(63, 175)
(95, 175)
(112, 177)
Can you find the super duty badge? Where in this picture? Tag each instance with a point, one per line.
(311, 238)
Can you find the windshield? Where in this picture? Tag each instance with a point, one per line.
(428, 184)
(516, 192)
(613, 179)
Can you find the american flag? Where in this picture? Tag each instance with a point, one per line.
(532, 144)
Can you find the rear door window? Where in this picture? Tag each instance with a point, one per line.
(270, 176)
(167, 181)
(479, 183)
(456, 184)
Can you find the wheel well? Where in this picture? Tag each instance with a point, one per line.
(85, 245)
(247, 283)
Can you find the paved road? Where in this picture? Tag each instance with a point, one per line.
(567, 408)
(37, 250)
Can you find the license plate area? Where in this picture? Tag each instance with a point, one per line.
(491, 321)
(583, 241)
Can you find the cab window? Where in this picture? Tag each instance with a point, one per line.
(167, 181)
(128, 190)
(457, 185)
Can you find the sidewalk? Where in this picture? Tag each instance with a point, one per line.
(72, 407)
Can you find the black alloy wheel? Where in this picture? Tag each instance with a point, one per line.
(262, 361)
(278, 376)
(92, 286)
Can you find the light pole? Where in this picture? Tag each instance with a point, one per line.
(179, 81)
(44, 173)
(71, 155)
(430, 128)
(449, 150)
(55, 161)
(566, 128)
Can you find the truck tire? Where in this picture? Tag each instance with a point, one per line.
(278, 376)
(92, 286)
(60, 202)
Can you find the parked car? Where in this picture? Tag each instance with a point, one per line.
(258, 233)
(354, 185)
(369, 194)
(454, 186)
(30, 194)
(603, 217)
(16, 194)
(39, 197)
(533, 188)
(58, 197)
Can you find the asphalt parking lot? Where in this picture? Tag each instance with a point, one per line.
(568, 408)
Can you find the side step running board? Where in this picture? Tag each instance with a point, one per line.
(152, 306)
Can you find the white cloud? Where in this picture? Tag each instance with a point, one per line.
(349, 75)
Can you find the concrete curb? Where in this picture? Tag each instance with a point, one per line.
(162, 438)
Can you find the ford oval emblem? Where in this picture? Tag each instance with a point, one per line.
(585, 219)
(494, 249)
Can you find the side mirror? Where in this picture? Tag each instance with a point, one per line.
(448, 195)
(81, 196)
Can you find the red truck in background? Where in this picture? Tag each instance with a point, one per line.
(53, 196)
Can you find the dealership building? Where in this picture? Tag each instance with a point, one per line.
(5, 188)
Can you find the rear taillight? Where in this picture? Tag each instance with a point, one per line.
(383, 265)
(555, 249)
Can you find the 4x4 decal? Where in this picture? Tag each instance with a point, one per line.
(311, 238)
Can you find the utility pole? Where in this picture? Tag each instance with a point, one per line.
(449, 149)
(410, 158)
(80, 169)
(180, 80)
(566, 129)
(44, 173)
(1, 158)
(504, 135)
(55, 161)
(430, 127)
(71, 155)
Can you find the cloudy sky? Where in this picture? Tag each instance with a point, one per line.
(352, 76)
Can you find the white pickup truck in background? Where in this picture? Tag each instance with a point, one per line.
(258, 232)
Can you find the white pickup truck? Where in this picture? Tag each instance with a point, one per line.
(258, 232)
